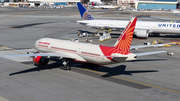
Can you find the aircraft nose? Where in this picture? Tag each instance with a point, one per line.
(36, 44)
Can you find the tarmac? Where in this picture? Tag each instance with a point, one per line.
(150, 78)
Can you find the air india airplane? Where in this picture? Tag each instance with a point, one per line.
(84, 52)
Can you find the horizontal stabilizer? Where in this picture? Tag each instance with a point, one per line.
(149, 53)
(145, 46)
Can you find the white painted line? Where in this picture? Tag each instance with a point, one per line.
(3, 99)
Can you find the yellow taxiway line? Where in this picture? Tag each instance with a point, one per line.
(120, 78)
(134, 81)
(1, 47)
(16, 52)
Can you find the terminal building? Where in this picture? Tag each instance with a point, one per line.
(47, 1)
(150, 4)
(54, 1)
(158, 5)
(36, 3)
(137, 4)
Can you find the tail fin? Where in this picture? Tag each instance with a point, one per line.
(124, 41)
(85, 15)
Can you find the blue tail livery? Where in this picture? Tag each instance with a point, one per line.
(85, 15)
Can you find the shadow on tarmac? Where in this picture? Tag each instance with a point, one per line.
(118, 70)
(110, 71)
(38, 68)
(29, 25)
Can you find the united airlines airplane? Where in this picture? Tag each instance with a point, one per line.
(143, 28)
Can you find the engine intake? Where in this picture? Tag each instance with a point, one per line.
(141, 33)
(39, 60)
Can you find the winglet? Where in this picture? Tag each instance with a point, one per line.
(85, 15)
(124, 41)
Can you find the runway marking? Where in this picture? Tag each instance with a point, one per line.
(116, 76)
(14, 15)
(3, 46)
(111, 79)
(6, 28)
(3, 99)
(147, 84)
(16, 52)
(9, 28)
(2, 49)
(13, 49)
(133, 81)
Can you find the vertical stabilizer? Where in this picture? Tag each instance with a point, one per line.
(124, 41)
(85, 15)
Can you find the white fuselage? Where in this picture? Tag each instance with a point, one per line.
(104, 7)
(95, 1)
(80, 52)
(151, 26)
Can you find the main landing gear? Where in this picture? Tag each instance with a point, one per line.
(64, 65)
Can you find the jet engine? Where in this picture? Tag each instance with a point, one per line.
(141, 33)
(39, 60)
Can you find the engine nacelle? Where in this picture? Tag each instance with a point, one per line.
(141, 33)
(39, 60)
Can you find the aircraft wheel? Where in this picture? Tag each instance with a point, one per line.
(68, 68)
(64, 67)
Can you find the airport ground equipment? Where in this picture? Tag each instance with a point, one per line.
(170, 53)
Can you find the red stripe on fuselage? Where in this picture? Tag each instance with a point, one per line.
(63, 50)
(71, 51)
(90, 54)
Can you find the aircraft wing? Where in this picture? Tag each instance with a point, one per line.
(145, 46)
(149, 53)
(41, 54)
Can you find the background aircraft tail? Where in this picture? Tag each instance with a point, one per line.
(85, 15)
(124, 41)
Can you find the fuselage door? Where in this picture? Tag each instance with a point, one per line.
(49, 47)
(79, 51)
